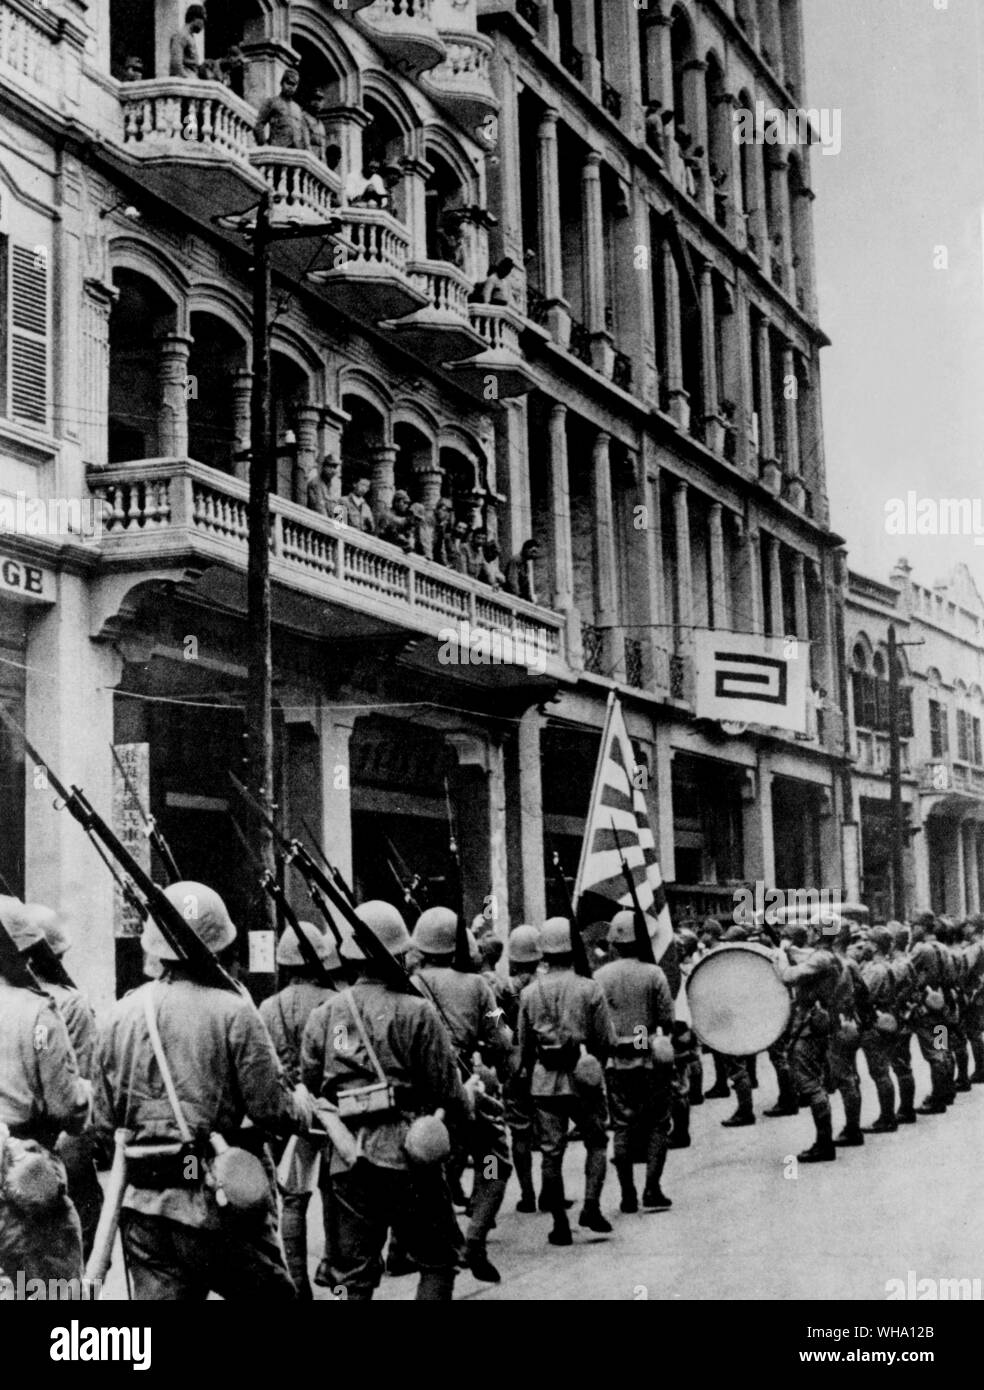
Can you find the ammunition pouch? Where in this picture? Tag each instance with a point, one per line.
(628, 1049)
(935, 1000)
(558, 1056)
(367, 1104)
(166, 1166)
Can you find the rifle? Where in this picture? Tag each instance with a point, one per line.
(410, 884)
(644, 944)
(177, 932)
(154, 834)
(578, 952)
(274, 889)
(101, 1256)
(335, 873)
(462, 953)
(320, 887)
(406, 889)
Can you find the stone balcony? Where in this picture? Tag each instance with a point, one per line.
(167, 519)
(406, 33)
(370, 274)
(462, 83)
(442, 330)
(502, 359)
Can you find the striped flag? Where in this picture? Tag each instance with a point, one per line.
(617, 800)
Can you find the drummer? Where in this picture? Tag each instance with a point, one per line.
(814, 980)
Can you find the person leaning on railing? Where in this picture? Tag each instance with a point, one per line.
(185, 54)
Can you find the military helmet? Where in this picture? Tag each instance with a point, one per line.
(524, 946)
(436, 931)
(289, 952)
(881, 938)
(23, 932)
(621, 931)
(205, 913)
(55, 932)
(387, 926)
(555, 939)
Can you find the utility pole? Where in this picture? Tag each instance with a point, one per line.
(895, 780)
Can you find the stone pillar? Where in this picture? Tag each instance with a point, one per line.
(593, 253)
(242, 400)
(708, 321)
(418, 171)
(504, 176)
(760, 859)
(306, 458)
(790, 420)
(174, 350)
(61, 867)
(266, 62)
(97, 303)
(605, 565)
(560, 511)
(530, 813)
(664, 48)
(775, 587)
(758, 221)
(551, 255)
(479, 797)
(770, 470)
(778, 172)
(512, 473)
(343, 127)
(383, 480)
(334, 737)
(693, 80)
(677, 398)
(955, 886)
(720, 595)
(684, 574)
(806, 245)
(749, 543)
(430, 480)
(972, 868)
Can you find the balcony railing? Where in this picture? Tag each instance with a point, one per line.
(445, 287)
(27, 44)
(622, 371)
(501, 355)
(536, 305)
(463, 81)
(182, 116)
(497, 326)
(371, 280)
(407, 32)
(302, 189)
(580, 342)
(573, 60)
(156, 508)
(611, 99)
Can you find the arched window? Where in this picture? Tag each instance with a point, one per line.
(939, 733)
(384, 143)
(445, 197)
(719, 137)
(682, 53)
(218, 352)
(859, 657)
(141, 317)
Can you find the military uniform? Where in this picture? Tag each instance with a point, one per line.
(815, 980)
(384, 1188)
(41, 1094)
(932, 1025)
(76, 1150)
(900, 1055)
(974, 1013)
(640, 1089)
(558, 1012)
(844, 1043)
(878, 1046)
(956, 970)
(520, 1112)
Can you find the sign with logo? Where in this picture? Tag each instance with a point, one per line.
(745, 678)
(27, 582)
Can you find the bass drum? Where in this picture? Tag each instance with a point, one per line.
(738, 1004)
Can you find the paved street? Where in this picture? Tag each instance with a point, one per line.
(741, 1228)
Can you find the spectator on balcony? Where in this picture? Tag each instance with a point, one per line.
(315, 106)
(492, 290)
(282, 121)
(186, 54)
(521, 572)
(449, 239)
(133, 70)
(319, 491)
(474, 549)
(424, 530)
(397, 525)
(458, 547)
(367, 189)
(443, 528)
(358, 513)
(656, 122)
(490, 571)
(231, 70)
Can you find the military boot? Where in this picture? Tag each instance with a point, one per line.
(626, 1181)
(822, 1150)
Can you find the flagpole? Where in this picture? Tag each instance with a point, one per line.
(599, 765)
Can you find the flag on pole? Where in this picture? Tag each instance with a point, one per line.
(617, 800)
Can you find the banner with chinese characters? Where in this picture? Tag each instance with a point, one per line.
(744, 677)
(131, 793)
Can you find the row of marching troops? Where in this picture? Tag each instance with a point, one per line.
(381, 1098)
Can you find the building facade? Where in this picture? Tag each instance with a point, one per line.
(942, 687)
(559, 294)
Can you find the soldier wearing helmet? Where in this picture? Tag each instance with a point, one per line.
(932, 1016)
(75, 1150)
(285, 1014)
(814, 980)
(41, 1094)
(849, 1011)
(561, 1016)
(878, 1037)
(640, 1066)
(524, 956)
(974, 994)
(468, 1009)
(384, 1058)
(179, 1243)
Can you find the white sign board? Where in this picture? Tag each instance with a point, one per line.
(743, 677)
(28, 583)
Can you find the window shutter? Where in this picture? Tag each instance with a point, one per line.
(28, 336)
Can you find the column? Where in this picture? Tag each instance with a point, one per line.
(775, 586)
(334, 737)
(383, 458)
(790, 394)
(97, 303)
(306, 458)
(646, 579)
(708, 322)
(749, 541)
(771, 472)
(479, 801)
(799, 596)
(721, 608)
(418, 171)
(758, 833)
(758, 221)
(972, 868)
(266, 61)
(662, 24)
(593, 247)
(778, 171)
(560, 511)
(530, 816)
(605, 568)
(684, 575)
(242, 400)
(955, 887)
(806, 245)
(513, 474)
(677, 398)
(343, 127)
(504, 176)
(693, 80)
(551, 256)
(430, 480)
(174, 350)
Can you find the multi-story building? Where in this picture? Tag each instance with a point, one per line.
(643, 402)
(941, 673)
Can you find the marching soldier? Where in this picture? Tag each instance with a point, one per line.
(524, 956)
(285, 1014)
(467, 1007)
(906, 989)
(41, 1095)
(814, 982)
(787, 1103)
(848, 1005)
(974, 976)
(75, 1150)
(878, 1039)
(178, 1056)
(560, 1014)
(390, 1045)
(740, 1071)
(932, 1017)
(950, 937)
(640, 1065)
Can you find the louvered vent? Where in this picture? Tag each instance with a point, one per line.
(29, 335)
